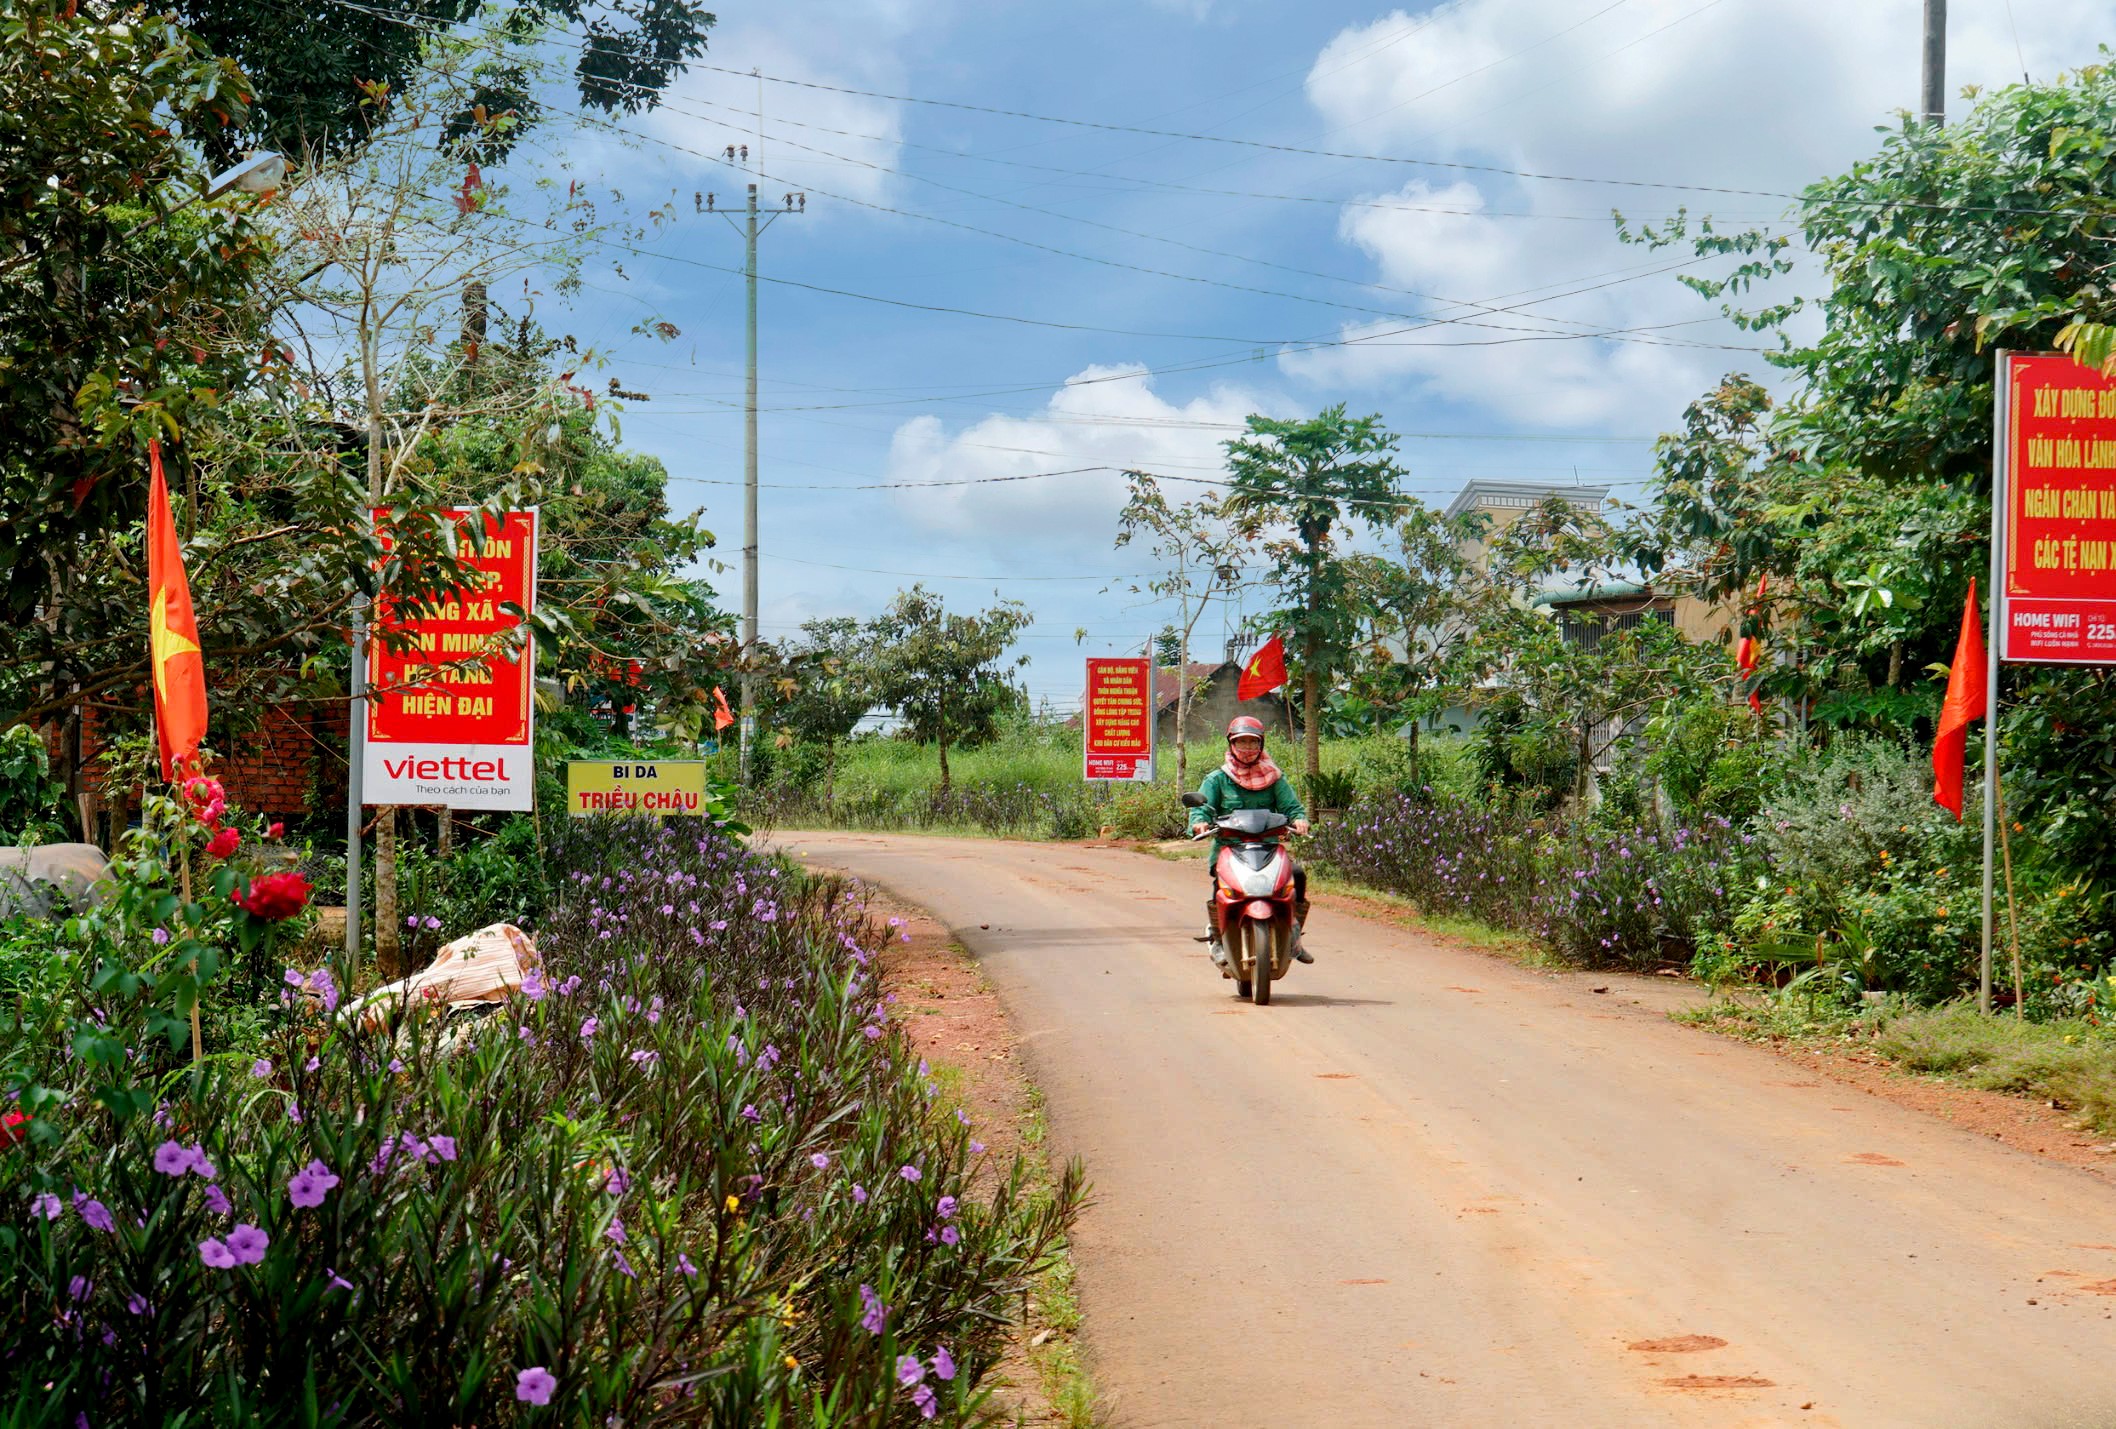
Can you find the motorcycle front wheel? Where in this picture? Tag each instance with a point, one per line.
(1256, 939)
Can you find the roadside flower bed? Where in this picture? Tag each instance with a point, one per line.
(691, 1175)
(1605, 898)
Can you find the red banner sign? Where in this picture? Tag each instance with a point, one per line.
(449, 714)
(2059, 594)
(1117, 719)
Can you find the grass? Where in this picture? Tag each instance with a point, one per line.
(2069, 1062)
(1054, 1307)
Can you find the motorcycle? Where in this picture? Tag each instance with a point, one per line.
(1252, 900)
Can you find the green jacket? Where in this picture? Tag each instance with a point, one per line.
(1224, 796)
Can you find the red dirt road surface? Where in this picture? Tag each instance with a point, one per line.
(1427, 1187)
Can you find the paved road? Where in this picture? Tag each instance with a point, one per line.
(1427, 1187)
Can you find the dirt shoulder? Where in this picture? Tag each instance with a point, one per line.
(958, 1026)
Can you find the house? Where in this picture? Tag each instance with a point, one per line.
(1213, 703)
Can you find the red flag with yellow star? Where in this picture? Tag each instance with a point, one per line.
(1265, 672)
(172, 633)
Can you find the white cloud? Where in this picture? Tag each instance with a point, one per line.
(1108, 418)
(1733, 95)
(846, 43)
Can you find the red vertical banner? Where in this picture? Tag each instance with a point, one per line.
(1117, 720)
(2058, 594)
(451, 711)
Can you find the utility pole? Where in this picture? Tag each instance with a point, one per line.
(750, 228)
(1932, 86)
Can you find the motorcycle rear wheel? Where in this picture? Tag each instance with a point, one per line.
(1256, 936)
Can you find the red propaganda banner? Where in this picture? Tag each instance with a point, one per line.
(2058, 596)
(450, 715)
(1117, 719)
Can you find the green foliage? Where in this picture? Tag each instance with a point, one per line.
(946, 675)
(1515, 752)
(662, 1175)
(1312, 478)
(1711, 757)
(29, 797)
(310, 69)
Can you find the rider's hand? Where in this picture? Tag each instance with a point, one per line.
(1198, 831)
(1300, 826)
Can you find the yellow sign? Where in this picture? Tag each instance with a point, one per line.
(660, 787)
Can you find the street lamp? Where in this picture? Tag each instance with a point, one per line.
(260, 173)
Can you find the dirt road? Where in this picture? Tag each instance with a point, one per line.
(1427, 1187)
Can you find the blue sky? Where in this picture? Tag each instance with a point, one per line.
(1471, 308)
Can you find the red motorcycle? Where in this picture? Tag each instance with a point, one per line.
(1252, 900)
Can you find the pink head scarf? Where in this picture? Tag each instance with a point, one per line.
(1259, 773)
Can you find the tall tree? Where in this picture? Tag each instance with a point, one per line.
(1293, 487)
(946, 675)
(1200, 553)
(823, 683)
(311, 67)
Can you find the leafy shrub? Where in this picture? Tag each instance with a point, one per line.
(692, 1174)
(29, 796)
(1707, 757)
(1516, 755)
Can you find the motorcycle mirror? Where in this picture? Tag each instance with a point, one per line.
(1193, 800)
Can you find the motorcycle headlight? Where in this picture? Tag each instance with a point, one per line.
(1259, 882)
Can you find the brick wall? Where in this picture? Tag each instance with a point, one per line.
(274, 768)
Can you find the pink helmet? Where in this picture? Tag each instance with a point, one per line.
(1245, 727)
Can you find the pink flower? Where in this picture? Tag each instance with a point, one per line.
(310, 1185)
(223, 843)
(534, 1385)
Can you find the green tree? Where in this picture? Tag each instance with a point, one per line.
(822, 684)
(1200, 554)
(310, 66)
(946, 675)
(1292, 487)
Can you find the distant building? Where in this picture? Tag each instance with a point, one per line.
(1502, 503)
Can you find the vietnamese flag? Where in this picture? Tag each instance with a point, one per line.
(177, 665)
(1265, 672)
(722, 715)
(1965, 702)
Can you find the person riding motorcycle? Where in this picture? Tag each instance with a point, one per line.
(1249, 780)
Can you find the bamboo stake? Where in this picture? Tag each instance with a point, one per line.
(184, 872)
(2005, 844)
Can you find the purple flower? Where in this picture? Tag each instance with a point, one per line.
(217, 1201)
(171, 1159)
(310, 1185)
(443, 1147)
(161, 937)
(859, 1194)
(908, 1370)
(910, 1173)
(336, 1281)
(534, 1385)
(616, 1230)
(566, 989)
(79, 1287)
(617, 1182)
(683, 1263)
(588, 1029)
(977, 1148)
(645, 1057)
(623, 1264)
(326, 990)
(247, 1244)
(877, 1314)
(946, 1207)
(94, 1213)
(533, 986)
(216, 1254)
(820, 1161)
(943, 1364)
(922, 1395)
(260, 1069)
(137, 1305)
(750, 1113)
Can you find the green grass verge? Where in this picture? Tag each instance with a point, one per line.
(2069, 1062)
(1054, 1307)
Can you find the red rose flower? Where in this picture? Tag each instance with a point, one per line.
(275, 830)
(11, 1128)
(224, 843)
(275, 896)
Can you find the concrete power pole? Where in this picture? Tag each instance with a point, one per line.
(750, 228)
(1932, 85)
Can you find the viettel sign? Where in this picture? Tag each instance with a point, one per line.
(662, 787)
(450, 712)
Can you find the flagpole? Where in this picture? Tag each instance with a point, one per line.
(1995, 599)
(356, 763)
